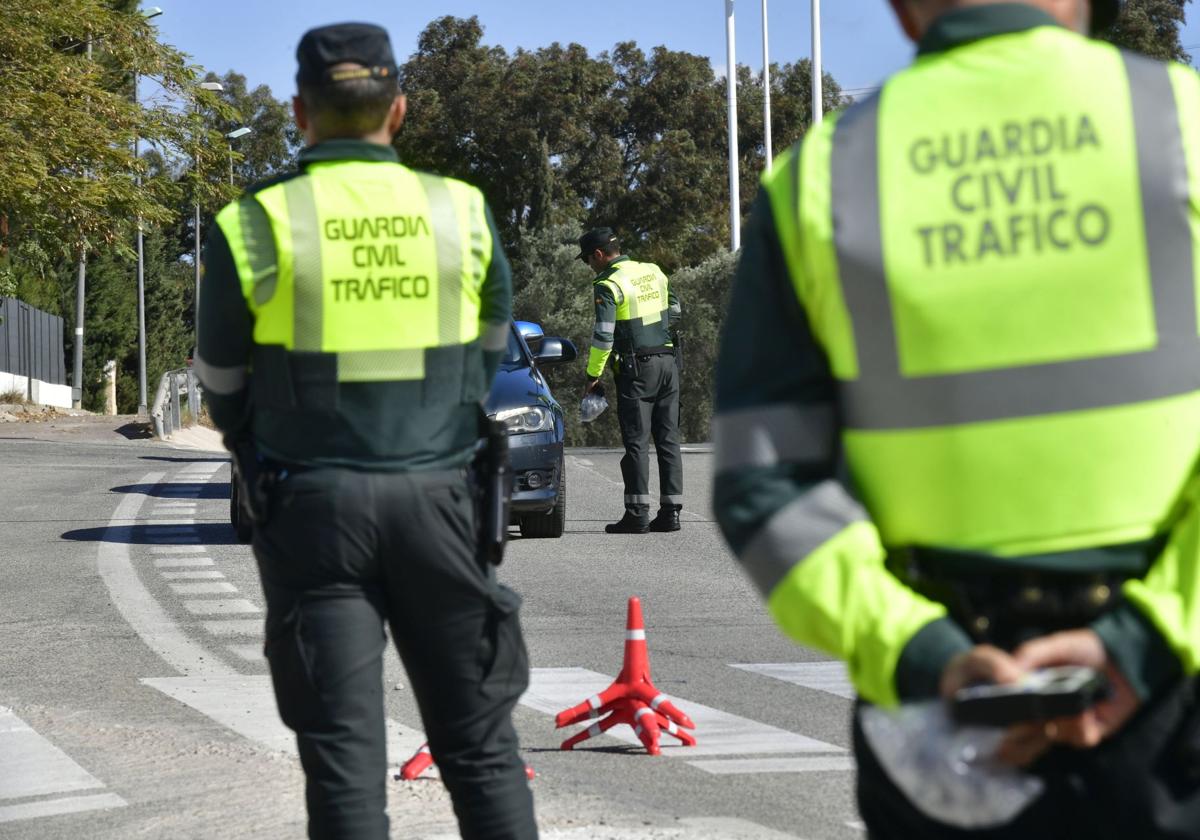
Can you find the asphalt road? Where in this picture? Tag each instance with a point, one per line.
(134, 701)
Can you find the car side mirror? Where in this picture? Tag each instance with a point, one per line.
(555, 351)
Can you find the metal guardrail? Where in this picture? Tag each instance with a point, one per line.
(175, 387)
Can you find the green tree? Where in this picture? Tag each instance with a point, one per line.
(1152, 27)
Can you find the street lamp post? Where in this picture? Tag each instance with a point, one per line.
(735, 216)
(818, 105)
(152, 12)
(231, 136)
(213, 86)
(766, 88)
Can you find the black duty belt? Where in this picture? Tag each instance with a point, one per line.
(645, 352)
(1006, 601)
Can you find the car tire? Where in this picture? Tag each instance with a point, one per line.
(243, 529)
(548, 525)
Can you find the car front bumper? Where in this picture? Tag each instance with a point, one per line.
(536, 461)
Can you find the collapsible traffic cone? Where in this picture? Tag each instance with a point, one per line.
(632, 699)
(422, 760)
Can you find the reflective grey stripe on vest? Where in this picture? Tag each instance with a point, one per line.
(796, 530)
(447, 237)
(882, 399)
(308, 302)
(778, 433)
(258, 243)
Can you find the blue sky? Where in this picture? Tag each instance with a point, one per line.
(861, 41)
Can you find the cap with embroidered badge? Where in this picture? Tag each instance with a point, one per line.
(325, 47)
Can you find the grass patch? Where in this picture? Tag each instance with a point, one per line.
(13, 396)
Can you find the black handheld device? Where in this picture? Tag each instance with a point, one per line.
(1042, 695)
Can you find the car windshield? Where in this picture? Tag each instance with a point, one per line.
(514, 355)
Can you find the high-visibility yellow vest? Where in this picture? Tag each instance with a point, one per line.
(641, 293)
(369, 263)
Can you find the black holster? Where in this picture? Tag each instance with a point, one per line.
(256, 479)
(492, 474)
(627, 362)
(677, 343)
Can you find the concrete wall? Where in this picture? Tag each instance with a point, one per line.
(44, 393)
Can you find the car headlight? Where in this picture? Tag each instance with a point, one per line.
(531, 418)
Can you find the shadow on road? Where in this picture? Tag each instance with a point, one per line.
(180, 491)
(214, 533)
(176, 460)
(135, 431)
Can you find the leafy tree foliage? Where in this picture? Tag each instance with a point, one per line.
(1152, 27)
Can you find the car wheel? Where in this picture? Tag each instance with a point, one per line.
(548, 525)
(243, 529)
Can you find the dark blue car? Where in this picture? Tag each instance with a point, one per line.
(521, 399)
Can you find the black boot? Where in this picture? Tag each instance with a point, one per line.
(666, 520)
(629, 524)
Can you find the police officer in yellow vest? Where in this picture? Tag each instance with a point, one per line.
(958, 403)
(636, 312)
(352, 315)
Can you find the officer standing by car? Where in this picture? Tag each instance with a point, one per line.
(352, 315)
(636, 313)
(958, 403)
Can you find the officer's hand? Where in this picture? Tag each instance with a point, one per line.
(1022, 743)
(590, 386)
(1081, 647)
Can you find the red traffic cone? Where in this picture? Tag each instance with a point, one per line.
(422, 760)
(632, 699)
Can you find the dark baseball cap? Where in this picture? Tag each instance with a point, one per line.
(595, 238)
(344, 43)
(1105, 14)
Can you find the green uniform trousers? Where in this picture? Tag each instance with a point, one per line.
(345, 552)
(648, 406)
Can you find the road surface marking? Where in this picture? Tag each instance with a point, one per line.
(183, 549)
(176, 562)
(830, 677)
(687, 828)
(210, 588)
(806, 764)
(165, 526)
(210, 575)
(234, 606)
(234, 627)
(718, 733)
(173, 511)
(54, 807)
(138, 607)
(246, 704)
(35, 767)
(251, 653)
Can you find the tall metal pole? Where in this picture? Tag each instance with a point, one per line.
(735, 215)
(818, 110)
(766, 89)
(77, 372)
(141, 284)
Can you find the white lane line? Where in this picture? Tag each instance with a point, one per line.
(183, 510)
(234, 606)
(805, 764)
(33, 766)
(164, 526)
(216, 588)
(54, 807)
(182, 549)
(177, 562)
(687, 828)
(202, 575)
(137, 605)
(717, 733)
(234, 627)
(251, 653)
(246, 704)
(830, 677)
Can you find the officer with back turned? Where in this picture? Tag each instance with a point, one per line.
(636, 313)
(352, 315)
(958, 404)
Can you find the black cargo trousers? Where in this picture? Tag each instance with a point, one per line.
(648, 406)
(345, 551)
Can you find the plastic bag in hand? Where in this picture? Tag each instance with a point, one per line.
(592, 406)
(949, 772)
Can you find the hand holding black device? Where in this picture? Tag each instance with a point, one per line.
(1045, 694)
